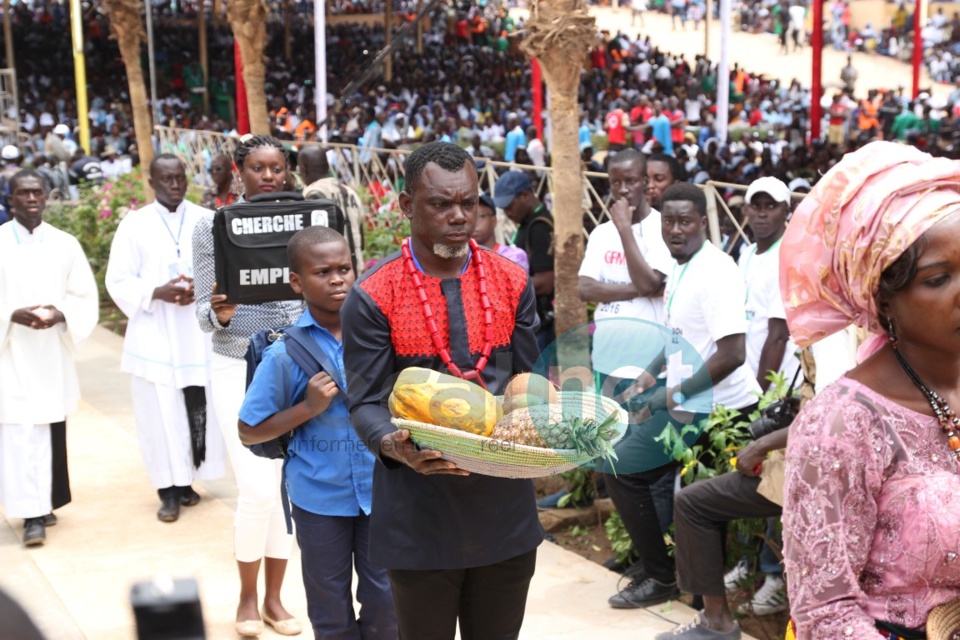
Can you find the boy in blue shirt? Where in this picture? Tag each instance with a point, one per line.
(329, 473)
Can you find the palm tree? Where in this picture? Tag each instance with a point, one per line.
(126, 27)
(248, 20)
(560, 34)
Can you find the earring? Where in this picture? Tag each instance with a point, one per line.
(891, 332)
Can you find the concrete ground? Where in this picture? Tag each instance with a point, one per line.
(77, 585)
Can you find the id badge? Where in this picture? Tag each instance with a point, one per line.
(180, 268)
(750, 315)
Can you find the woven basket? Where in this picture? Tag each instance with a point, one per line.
(943, 622)
(501, 459)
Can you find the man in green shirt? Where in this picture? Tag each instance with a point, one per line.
(907, 120)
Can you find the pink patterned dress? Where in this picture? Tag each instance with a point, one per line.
(871, 519)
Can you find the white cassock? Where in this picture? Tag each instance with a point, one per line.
(38, 377)
(164, 349)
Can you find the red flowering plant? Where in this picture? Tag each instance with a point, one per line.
(385, 226)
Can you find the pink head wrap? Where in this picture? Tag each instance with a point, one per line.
(862, 215)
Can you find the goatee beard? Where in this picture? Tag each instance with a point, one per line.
(446, 252)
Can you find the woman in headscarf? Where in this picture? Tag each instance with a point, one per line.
(871, 518)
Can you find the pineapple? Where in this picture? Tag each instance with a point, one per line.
(549, 426)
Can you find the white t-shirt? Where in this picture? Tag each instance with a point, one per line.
(703, 300)
(797, 15)
(604, 261)
(761, 273)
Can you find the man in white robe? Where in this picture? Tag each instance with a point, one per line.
(48, 307)
(150, 277)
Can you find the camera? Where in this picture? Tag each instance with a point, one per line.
(167, 609)
(777, 416)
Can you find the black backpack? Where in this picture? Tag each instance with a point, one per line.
(307, 355)
(250, 243)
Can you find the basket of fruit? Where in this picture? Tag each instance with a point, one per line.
(532, 431)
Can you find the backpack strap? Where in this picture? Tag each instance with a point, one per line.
(311, 359)
(308, 355)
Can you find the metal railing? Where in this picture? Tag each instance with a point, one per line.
(378, 173)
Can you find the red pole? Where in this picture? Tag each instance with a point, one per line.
(816, 86)
(536, 78)
(243, 116)
(917, 47)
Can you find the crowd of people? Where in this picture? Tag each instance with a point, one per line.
(437, 96)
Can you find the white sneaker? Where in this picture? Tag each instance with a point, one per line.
(732, 579)
(770, 598)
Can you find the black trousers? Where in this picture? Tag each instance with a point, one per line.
(60, 492)
(489, 601)
(634, 500)
(701, 512)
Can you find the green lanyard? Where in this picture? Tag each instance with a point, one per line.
(679, 280)
(746, 266)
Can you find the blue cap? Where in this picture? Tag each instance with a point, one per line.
(487, 201)
(509, 186)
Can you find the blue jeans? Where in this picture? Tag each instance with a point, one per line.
(769, 562)
(331, 547)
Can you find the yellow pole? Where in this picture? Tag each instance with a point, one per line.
(204, 61)
(80, 74)
(388, 24)
(8, 34)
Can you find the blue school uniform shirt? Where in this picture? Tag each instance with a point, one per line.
(330, 470)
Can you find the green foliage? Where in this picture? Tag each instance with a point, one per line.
(581, 488)
(385, 225)
(620, 541)
(725, 435)
(93, 219)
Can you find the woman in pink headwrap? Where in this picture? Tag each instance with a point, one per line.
(871, 518)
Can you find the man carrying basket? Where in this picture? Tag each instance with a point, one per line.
(457, 545)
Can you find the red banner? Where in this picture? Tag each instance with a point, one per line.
(536, 78)
(243, 116)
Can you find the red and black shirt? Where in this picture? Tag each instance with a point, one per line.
(439, 521)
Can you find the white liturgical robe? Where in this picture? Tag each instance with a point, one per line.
(163, 343)
(48, 267)
(38, 377)
(163, 349)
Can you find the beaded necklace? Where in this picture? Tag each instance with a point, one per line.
(434, 329)
(948, 420)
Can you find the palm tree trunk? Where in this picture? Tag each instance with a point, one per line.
(127, 29)
(559, 34)
(248, 20)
